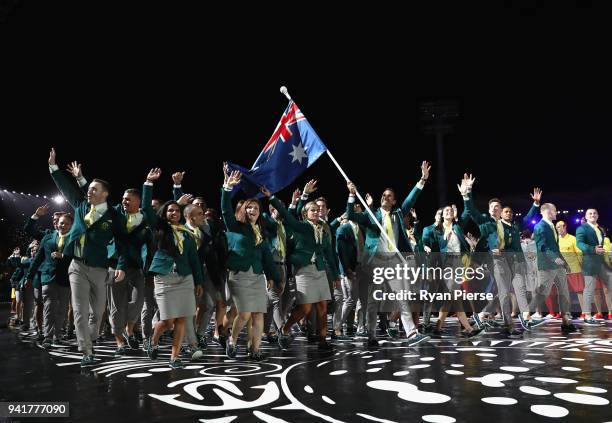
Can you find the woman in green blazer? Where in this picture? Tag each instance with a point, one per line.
(312, 252)
(177, 269)
(249, 256)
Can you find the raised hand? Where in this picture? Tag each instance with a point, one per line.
(177, 178)
(233, 179)
(265, 191)
(310, 187)
(52, 161)
(154, 175)
(537, 196)
(74, 169)
(185, 199)
(469, 181)
(351, 187)
(369, 200)
(42, 210)
(296, 194)
(425, 167)
(463, 188)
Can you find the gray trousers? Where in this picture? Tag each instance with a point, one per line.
(55, 311)
(125, 300)
(392, 286)
(150, 313)
(88, 289)
(278, 305)
(546, 278)
(589, 287)
(350, 293)
(362, 301)
(27, 298)
(519, 283)
(503, 279)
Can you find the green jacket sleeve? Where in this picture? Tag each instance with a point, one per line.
(410, 200)
(73, 195)
(292, 222)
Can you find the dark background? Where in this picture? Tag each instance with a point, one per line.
(123, 89)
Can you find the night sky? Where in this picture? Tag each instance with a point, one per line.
(125, 90)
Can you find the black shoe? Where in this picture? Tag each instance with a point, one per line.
(132, 341)
(325, 346)
(372, 342)
(256, 356)
(152, 351)
(284, 341)
(202, 342)
(221, 340)
(475, 332)
(120, 351)
(590, 322)
(271, 339)
(47, 343)
(569, 327)
(176, 363)
(88, 360)
(25, 327)
(417, 339)
(230, 350)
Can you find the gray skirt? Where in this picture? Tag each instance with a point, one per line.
(311, 285)
(175, 296)
(248, 291)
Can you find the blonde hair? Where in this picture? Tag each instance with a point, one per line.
(307, 207)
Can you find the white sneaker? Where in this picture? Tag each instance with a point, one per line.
(197, 354)
(536, 315)
(550, 316)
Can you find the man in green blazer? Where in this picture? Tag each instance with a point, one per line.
(213, 254)
(125, 298)
(380, 251)
(590, 237)
(96, 225)
(501, 239)
(551, 267)
(52, 265)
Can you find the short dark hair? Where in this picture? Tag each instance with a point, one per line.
(104, 184)
(321, 199)
(133, 191)
(390, 189)
(495, 200)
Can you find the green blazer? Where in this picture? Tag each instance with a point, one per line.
(586, 239)
(547, 246)
(51, 270)
(99, 235)
(35, 276)
(372, 231)
(306, 245)
(137, 240)
(346, 245)
(442, 243)
(488, 230)
(243, 253)
(187, 263)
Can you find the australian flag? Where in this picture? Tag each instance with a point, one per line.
(293, 147)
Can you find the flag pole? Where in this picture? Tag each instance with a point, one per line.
(285, 92)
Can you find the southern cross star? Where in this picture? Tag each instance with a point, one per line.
(298, 153)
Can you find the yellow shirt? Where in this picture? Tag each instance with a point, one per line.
(571, 253)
